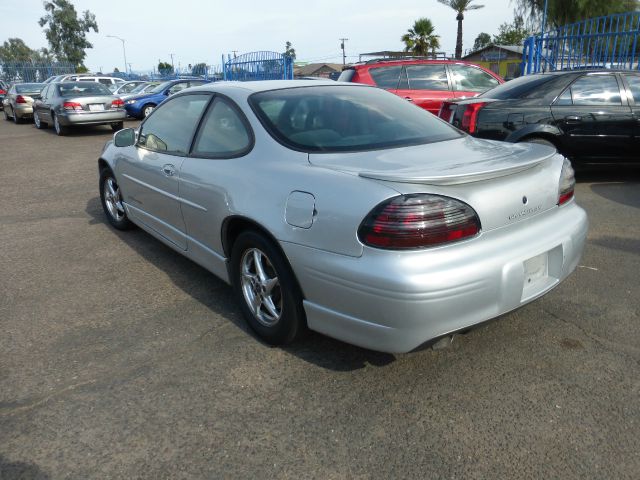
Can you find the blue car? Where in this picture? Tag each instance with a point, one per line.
(141, 106)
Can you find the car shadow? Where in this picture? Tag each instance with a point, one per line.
(217, 296)
(20, 470)
(81, 130)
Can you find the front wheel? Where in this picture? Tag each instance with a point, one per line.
(268, 293)
(117, 126)
(111, 199)
(147, 109)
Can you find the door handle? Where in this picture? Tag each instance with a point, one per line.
(573, 119)
(408, 99)
(168, 170)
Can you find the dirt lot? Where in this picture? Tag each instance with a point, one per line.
(120, 359)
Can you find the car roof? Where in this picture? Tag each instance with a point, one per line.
(410, 61)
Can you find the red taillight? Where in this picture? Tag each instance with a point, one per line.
(71, 106)
(419, 220)
(470, 117)
(3, 92)
(20, 99)
(445, 111)
(117, 103)
(567, 183)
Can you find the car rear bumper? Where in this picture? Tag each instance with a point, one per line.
(396, 301)
(91, 118)
(23, 111)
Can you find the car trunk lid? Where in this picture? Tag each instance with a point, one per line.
(504, 183)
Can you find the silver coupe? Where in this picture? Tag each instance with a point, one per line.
(345, 209)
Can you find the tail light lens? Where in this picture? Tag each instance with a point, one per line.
(3, 92)
(567, 183)
(117, 103)
(71, 106)
(446, 109)
(416, 221)
(20, 99)
(470, 117)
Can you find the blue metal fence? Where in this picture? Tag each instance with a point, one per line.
(32, 71)
(258, 66)
(602, 42)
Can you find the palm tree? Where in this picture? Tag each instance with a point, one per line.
(421, 39)
(460, 6)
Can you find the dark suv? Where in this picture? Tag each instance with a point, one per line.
(427, 83)
(589, 116)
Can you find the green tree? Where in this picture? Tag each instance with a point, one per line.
(481, 41)
(460, 7)
(199, 69)
(421, 39)
(512, 33)
(15, 50)
(165, 68)
(289, 51)
(562, 12)
(66, 32)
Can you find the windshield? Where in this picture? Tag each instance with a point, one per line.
(161, 87)
(346, 119)
(82, 89)
(29, 87)
(517, 88)
(139, 88)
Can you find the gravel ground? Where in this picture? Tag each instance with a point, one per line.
(120, 359)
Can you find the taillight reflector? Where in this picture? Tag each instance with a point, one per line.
(117, 103)
(418, 220)
(567, 183)
(20, 99)
(470, 117)
(71, 106)
(3, 92)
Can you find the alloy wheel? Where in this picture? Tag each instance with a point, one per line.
(112, 199)
(261, 287)
(36, 119)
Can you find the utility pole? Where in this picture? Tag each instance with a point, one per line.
(234, 53)
(171, 55)
(124, 51)
(344, 57)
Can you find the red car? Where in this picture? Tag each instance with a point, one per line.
(427, 83)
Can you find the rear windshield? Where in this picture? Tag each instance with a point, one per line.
(82, 89)
(517, 88)
(346, 119)
(29, 87)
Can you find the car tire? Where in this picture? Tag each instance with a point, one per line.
(117, 126)
(539, 141)
(147, 109)
(6, 115)
(111, 200)
(269, 295)
(60, 129)
(17, 120)
(37, 122)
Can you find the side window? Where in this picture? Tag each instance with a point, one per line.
(223, 132)
(564, 99)
(427, 77)
(634, 86)
(596, 90)
(105, 81)
(386, 77)
(171, 126)
(45, 93)
(195, 83)
(177, 87)
(471, 79)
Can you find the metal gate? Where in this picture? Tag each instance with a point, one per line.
(258, 66)
(33, 71)
(602, 42)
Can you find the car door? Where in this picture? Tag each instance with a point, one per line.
(223, 137)
(426, 85)
(469, 81)
(43, 105)
(149, 171)
(595, 118)
(632, 84)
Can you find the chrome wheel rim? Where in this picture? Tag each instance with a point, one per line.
(36, 119)
(56, 123)
(147, 111)
(112, 199)
(261, 287)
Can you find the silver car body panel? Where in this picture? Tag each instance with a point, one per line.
(312, 205)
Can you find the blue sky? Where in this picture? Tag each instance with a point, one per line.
(201, 31)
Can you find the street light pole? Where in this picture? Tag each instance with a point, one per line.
(124, 51)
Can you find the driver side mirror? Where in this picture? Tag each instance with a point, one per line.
(125, 137)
